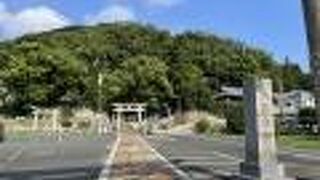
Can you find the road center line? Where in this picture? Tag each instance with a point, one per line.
(105, 173)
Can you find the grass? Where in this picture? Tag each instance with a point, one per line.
(304, 142)
(300, 142)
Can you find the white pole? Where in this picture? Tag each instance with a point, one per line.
(54, 121)
(140, 117)
(36, 121)
(119, 122)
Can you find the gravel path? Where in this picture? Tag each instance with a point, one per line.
(135, 160)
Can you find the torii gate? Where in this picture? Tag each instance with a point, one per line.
(120, 108)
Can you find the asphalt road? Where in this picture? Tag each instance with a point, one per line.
(78, 159)
(218, 158)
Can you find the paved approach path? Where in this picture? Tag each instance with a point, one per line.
(134, 159)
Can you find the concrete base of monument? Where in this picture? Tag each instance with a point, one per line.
(251, 171)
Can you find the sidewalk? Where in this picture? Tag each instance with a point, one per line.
(135, 160)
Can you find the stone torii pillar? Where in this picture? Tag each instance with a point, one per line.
(119, 122)
(140, 116)
(312, 19)
(260, 144)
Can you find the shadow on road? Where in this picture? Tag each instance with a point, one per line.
(72, 173)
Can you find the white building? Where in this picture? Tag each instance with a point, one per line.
(286, 105)
(289, 104)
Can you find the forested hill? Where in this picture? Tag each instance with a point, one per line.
(137, 63)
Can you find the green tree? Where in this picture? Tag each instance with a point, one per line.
(139, 79)
(137, 62)
(42, 77)
(191, 86)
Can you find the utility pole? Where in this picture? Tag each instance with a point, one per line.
(280, 104)
(312, 19)
(96, 65)
(100, 81)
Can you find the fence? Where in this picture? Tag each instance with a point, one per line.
(24, 129)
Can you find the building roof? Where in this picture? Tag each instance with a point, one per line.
(232, 92)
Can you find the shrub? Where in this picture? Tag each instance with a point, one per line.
(83, 124)
(235, 118)
(202, 126)
(163, 126)
(66, 124)
(233, 112)
(307, 121)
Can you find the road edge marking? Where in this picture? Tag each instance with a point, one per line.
(178, 171)
(300, 155)
(16, 155)
(105, 173)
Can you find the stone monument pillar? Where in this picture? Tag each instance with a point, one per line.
(312, 19)
(260, 145)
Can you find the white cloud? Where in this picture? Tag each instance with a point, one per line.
(156, 3)
(166, 3)
(115, 13)
(32, 20)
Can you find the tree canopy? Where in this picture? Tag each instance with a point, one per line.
(137, 63)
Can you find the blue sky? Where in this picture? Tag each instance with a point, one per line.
(274, 25)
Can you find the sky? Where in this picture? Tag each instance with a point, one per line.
(274, 25)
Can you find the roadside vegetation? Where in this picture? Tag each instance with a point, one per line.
(203, 126)
(95, 66)
(136, 62)
(310, 142)
(2, 132)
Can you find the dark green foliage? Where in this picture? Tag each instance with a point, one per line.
(307, 119)
(293, 78)
(66, 124)
(137, 63)
(202, 126)
(83, 125)
(233, 112)
(235, 118)
(2, 132)
(307, 116)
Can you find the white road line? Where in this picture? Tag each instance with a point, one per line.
(207, 163)
(204, 158)
(61, 176)
(301, 155)
(166, 161)
(105, 173)
(228, 156)
(15, 155)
